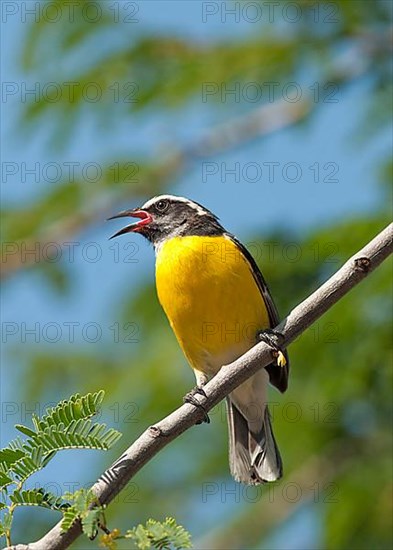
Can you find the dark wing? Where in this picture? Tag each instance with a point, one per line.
(278, 375)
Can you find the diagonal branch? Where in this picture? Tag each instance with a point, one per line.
(156, 437)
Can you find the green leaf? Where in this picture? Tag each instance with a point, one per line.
(5, 480)
(82, 508)
(82, 499)
(66, 426)
(160, 535)
(69, 516)
(28, 465)
(47, 458)
(80, 434)
(6, 524)
(10, 456)
(38, 497)
(66, 412)
(90, 522)
(25, 430)
(140, 537)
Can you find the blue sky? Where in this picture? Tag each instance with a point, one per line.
(245, 207)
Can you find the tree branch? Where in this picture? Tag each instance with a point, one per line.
(229, 377)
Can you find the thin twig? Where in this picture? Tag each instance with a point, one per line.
(156, 437)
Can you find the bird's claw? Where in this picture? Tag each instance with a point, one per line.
(190, 398)
(272, 338)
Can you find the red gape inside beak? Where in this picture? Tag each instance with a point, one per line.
(145, 219)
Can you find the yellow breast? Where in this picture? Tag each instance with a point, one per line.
(211, 299)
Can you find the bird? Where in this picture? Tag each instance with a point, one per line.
(219, 306)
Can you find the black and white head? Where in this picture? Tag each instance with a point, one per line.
(168, 216)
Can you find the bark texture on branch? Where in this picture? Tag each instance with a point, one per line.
(230, 376)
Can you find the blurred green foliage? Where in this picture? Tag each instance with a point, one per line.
(341, 380)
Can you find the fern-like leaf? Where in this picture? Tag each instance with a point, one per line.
(25, 430)
(66, 412)
(161, 535)
(69, 516)
(82, 499)
(6, 524)
(24, 463)
(82, 509)
(5, 480)
(9, 456)
(80, 434)
(28, 464)
(38, 497)
(16, 444)
(90, 522)
(66, 426)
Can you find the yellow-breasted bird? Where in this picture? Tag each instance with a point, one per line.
(217, 303)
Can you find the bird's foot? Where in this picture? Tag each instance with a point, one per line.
(103, 528)
(190, 398)
(273, 338)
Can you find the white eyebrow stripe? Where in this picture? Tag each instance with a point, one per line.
(201, 211)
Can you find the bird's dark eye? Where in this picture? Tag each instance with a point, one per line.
(162, 205)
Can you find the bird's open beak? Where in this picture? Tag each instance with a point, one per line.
(145, 218)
